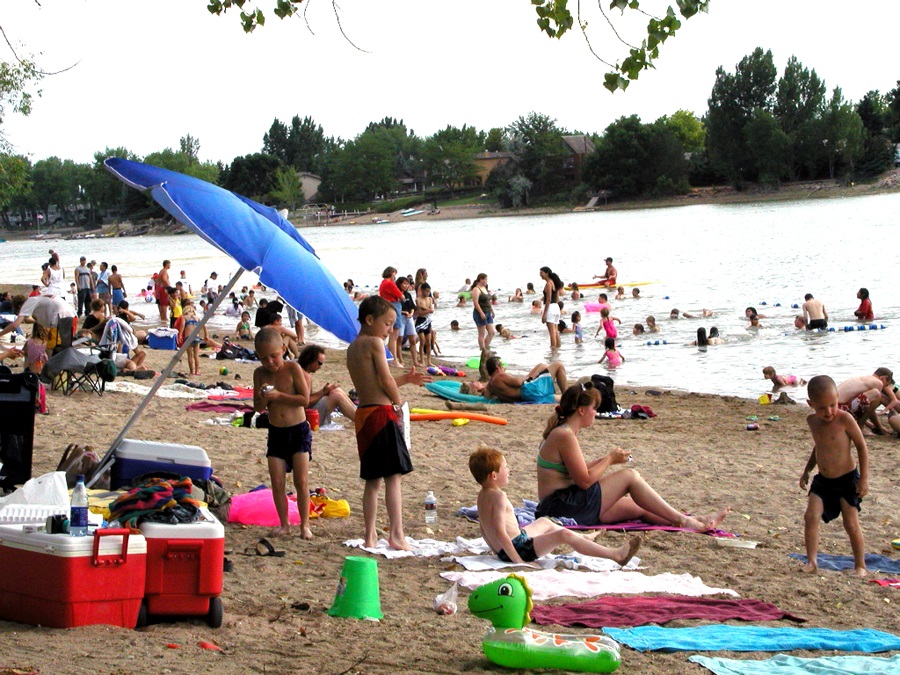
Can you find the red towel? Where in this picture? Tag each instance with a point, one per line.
(616, 612)
(893, 583)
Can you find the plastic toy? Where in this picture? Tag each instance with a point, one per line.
(506, 603)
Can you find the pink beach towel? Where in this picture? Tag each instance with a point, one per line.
(637, 611)
(640, 526)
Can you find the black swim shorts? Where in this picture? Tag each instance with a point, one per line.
(832, 490)
(582, 506)
(285, 442)
(524, 546)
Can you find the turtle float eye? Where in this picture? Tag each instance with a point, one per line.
(505, 589)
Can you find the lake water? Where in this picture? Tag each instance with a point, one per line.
(720, 257)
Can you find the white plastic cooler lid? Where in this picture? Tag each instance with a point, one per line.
(66, 546)
(164, 453)
(207, 527)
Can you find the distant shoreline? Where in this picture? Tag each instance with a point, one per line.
(822, 189)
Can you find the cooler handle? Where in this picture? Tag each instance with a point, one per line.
(124, 532)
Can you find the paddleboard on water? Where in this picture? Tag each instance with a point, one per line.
(594, 284)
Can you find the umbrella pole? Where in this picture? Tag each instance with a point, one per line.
(108, 459)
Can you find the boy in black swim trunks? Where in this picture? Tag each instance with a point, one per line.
(838, 488)
(501, 530)
(280, 387)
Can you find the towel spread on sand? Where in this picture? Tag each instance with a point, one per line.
(782, 664)
(547, 584)
(219, 406)
(167, 391)
(424, 548)
(752, 639)
(480, 563)
(524, 514)
(874, 562)
(640, 526)
(637, 611)
(893, 583)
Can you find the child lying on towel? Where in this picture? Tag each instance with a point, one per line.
(523, 545)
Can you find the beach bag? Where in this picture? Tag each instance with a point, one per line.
(107, 370)
(84, 461)
(605, 385)
(227, 352)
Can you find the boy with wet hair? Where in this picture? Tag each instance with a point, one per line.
(280, 387)
(383, 454)
(838, 488)
(501, 530)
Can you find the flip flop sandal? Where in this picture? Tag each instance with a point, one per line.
(264, 548)
(752, 418)
(774, 418)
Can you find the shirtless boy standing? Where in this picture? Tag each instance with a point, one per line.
(280, 387)
(500, 528)
(383, 454)
(838, 488)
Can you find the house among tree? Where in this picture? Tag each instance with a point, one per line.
(576, 149)
(485, 162)
(310, 183)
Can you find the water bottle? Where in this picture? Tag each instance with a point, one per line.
(430, 508)
(78, 517)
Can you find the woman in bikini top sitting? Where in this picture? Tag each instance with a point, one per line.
(571, 487)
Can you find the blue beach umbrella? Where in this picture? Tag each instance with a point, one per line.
(256, 236)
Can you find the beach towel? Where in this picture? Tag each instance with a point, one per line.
(640, 526)
(893, 583)
(449, 389)
(752, 639)
(547, 584)
(782, 664)
(423, 548)
(480, 563)
(874, 562)
(618, 612)
(220, 406)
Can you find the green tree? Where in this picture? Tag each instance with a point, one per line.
(288, 190)
(108, 193)
(731, 105)
(878, 152)
(537, 141)
(635, 159)
(15, 183)
(365, 168)
(844, 133)
(892, 114)
(799, 101)
(687, 128)
(49, 185)
(495, 140)
(251, 175)
(553, 18)
(448, 155)
(302, 146)
(769, 147)
(16, 80)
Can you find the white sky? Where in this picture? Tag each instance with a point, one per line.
(151, 71)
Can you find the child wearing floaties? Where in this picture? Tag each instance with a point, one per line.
(501, 530)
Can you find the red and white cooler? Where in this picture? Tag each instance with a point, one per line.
(60, 581)
(184, 569)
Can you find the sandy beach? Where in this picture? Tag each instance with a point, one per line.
(697, 453)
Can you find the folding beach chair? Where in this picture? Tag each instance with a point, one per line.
(72, 369)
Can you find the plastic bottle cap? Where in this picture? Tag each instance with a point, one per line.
(79, 478)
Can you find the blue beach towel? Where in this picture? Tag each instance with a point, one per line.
(792, 665)
(874, 562)
(449, 389)
(722, 637)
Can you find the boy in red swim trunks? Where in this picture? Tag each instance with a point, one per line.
(838, 488)
(383, 454)
(280, 387)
